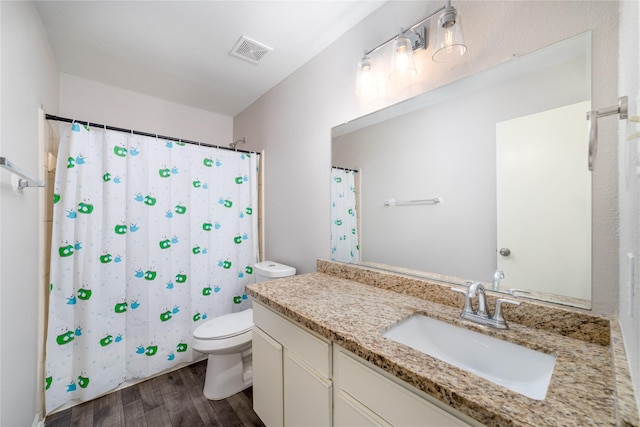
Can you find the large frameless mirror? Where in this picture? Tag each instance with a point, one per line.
(485, 179)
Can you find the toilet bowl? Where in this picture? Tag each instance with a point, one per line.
(227, 341)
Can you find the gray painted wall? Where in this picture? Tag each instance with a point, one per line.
(293, 121)
(29, 79)
(629, 167)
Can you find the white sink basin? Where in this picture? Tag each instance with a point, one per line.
(510, 365)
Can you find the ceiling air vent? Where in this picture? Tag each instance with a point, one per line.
(250, 50)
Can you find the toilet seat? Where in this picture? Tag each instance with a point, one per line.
(226, 326)
(227, 342)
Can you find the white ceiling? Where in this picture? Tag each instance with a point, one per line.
(180, 50)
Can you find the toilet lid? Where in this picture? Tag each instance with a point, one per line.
(225, 326)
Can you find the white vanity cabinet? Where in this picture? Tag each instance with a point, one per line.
(291, 373)
(301, 379)
(364, 395)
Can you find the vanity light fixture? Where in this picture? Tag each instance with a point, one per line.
(402, 64)
(366, 84)
(449, 43)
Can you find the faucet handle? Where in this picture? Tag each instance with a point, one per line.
(467, 300)
(497, 315)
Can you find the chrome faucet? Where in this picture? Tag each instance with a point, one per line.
(497, 276)
(476, 288)
(482, 315)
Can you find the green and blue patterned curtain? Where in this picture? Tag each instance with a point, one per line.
(344, 217)
(150, 239)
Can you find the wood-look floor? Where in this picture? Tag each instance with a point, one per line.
(170, 400)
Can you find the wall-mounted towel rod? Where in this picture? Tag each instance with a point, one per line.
(25, 180)
(394, 202)
(622, 108)
(345, 169)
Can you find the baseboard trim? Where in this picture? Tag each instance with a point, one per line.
(38, 421)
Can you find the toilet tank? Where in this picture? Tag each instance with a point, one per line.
(269, 270)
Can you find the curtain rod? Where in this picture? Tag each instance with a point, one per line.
(135, 132)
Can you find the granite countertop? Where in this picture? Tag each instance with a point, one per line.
(590, 382)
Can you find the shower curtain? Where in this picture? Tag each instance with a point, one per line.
(150, 239)
(344, 219)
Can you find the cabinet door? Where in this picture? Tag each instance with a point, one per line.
(267, 379)
(307, 396)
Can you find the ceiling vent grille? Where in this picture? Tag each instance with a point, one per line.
(250, 50)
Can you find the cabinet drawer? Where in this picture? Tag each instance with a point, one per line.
(392, 402)
(349, 412)
(315, 351)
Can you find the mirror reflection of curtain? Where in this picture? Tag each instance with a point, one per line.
(150, 239)
(344, 217)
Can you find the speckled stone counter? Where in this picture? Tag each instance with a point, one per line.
(590, 385)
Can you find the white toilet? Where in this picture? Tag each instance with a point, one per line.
(227, 341)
